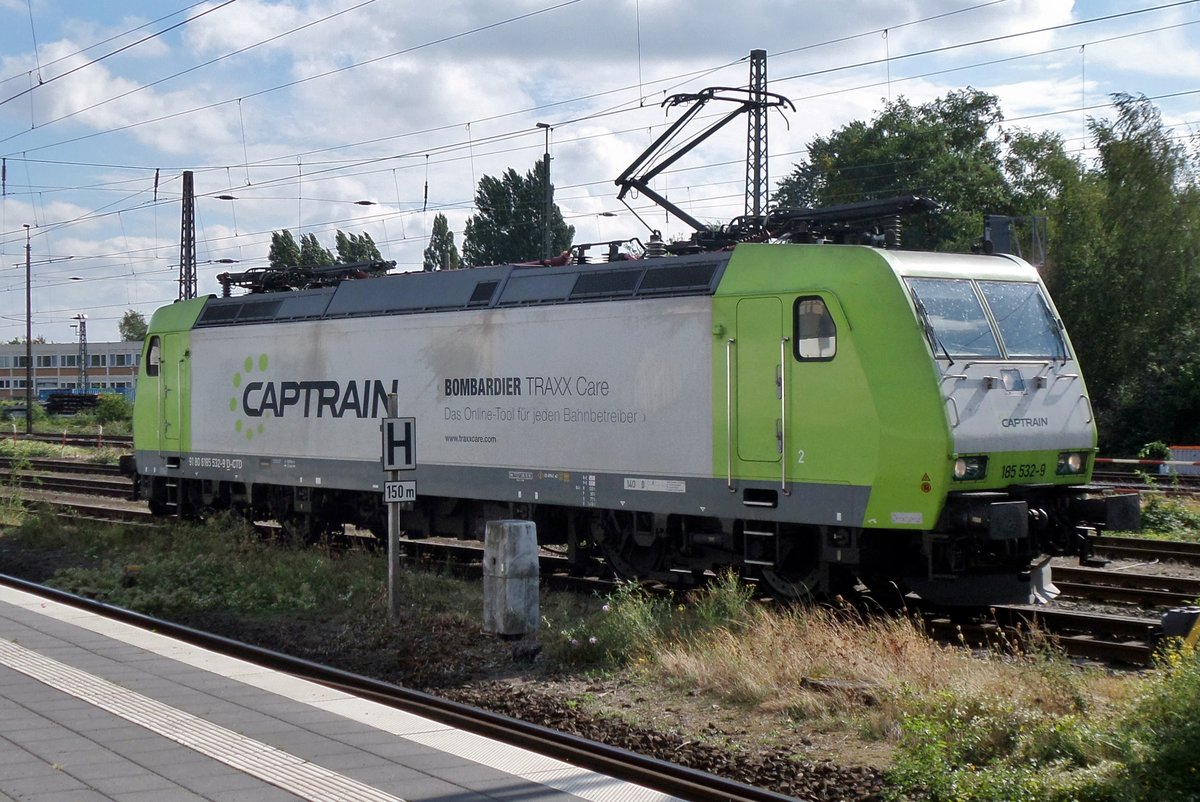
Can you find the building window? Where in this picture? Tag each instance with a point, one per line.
(97, 360)
(69, 360)
(122, 360)
(5, 361)
(47, 360)
(20, 362)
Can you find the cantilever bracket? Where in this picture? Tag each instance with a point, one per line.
(661, 154)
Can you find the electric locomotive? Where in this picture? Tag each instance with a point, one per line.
(810, 415)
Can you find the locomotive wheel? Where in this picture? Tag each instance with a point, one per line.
(631, 554)
(797, 571)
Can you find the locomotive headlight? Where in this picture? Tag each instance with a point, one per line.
(967, 469)
(1071, 463)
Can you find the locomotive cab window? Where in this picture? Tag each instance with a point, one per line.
(814, 332)
(954, 318)
(1027, 326)
(987, 319)
(153, 356)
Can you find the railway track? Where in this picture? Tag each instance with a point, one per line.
(1170, 485)
(1146, 550)
(91, 484)
(1144, 590)
(79, 439)
(1098, 636)
(1126, 639)
(660, 775)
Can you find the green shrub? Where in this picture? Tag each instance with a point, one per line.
(112, 408)
(1169, 516)
(624, 627)
(1163, 731)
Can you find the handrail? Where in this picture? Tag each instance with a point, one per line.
(957, 417)
(729, 414)
(783, 461)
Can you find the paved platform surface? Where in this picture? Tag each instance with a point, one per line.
(94, 709)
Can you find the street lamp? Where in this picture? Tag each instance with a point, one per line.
(549, 201)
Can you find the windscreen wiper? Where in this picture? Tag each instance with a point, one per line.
(935, 342)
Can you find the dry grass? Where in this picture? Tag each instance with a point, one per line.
(832, 666)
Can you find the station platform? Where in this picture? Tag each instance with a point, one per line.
(96, 709)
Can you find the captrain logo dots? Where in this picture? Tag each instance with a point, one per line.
(249, 366)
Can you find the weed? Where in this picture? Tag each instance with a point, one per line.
(1171, 517)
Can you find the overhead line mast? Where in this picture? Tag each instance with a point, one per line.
(187, 241)
(757, 180)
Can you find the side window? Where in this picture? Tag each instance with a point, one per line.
(814, 332)
(153, 356)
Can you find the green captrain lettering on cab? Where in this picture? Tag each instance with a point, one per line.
(319, 399)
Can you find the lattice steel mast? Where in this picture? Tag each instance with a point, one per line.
(187, 241)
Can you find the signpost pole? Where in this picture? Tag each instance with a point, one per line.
(393, 535)
(399, 448)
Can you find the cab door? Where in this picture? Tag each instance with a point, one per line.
(760, 380)
(173, 379)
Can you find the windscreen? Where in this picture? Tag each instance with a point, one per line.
(953, 311)
(1027, 326)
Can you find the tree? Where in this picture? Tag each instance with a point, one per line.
(1124, 272)
(508, 225)
(946, 149)
(441, 253)
(284, 251)
(132, 326)
(356, 248)
(312, 253)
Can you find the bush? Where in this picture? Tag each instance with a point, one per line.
(112, 408)
(1164, 734)
(625, 626)
(1170, 516)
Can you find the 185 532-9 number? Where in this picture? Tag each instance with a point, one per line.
(1027, 470)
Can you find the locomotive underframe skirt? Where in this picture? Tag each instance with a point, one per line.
(807, 503)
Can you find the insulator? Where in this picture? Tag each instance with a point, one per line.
(655, 247)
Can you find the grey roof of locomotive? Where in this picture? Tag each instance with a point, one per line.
(475, 288)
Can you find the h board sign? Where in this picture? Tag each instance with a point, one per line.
(399, 444)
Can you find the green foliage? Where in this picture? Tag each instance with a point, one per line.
(222, 565)
(441, 254)
(1163, 732)
(631, 623)
(353, 248)
(624, 627)
(132, 326)
(112, 408)
(284, 250)
(1165, 515)
(1125, 246)
(988, 748)
(508, 224)
(312, 253)
(951, 149)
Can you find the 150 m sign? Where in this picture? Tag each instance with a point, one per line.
(399, 492)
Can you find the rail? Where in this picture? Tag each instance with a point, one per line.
(660, 775)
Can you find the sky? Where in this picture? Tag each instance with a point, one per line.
(373, 116)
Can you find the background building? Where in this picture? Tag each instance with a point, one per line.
(111, 368)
